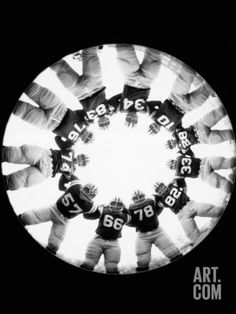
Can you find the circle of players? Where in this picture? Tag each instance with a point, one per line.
(52, 114)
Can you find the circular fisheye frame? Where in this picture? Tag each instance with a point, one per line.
(119, 158)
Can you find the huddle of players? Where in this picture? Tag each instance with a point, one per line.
(69, 126)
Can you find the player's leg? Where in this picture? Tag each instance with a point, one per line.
(67, 76)
(165, 244)
(186, 218)
(181, 87)
(52, 107)
(31, 114)
(93, 253)
(112, 257)
(57, 235)
(150, 67)
(219, 182)
(209, 210)
(36, 156)
(25, 154)
(222, 162)
(36, 216)
(198, 96)
(143, 253)
(208, 175)
(24, 178)
(128, 63)
(206, 135)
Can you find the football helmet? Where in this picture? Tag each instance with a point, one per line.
(160, 188)
(88, 191)
(131, 119)
(86, 136)
(171, 143)
(103, 122)
(172, 164)
(138, 197)
(81, 160)
(154, 128)
(116, 204)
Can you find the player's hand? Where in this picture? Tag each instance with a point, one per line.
(154, 128)
(82, 160)
(160, 188)
(171, 144)
(86, 136)
(103, 122)
(131, 119)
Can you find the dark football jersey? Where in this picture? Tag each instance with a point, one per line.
(114, 102)
(144, 217)
(63, 162)
(71, 125)
(95, 105)
(188, 166)
(62, 142)
(134, 99)
(166, 114)
(70, 204)
(185, 138)
(111, 223)
(174, 198)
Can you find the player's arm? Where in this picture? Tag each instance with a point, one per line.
(130, 221)
(158, 206)
(189, 152)
(95, 214)
(114, 101)
(181, 182)
(63, 181)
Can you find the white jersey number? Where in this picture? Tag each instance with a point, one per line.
(183, 138)
(186, 165)
(172, 197)
(146, 211)
(109, 221)
(165, 121)
(68, 200)
(73, 135)
(99, 111)
(65, 166)
(137, 104)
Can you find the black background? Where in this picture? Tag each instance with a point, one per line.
(34, 36)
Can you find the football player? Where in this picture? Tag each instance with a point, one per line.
(112, 218)
(144, 217)
(204, 168)
(53, 115)
(174, 196)
(138, 80)
(88, 88)
(77, 199)
(201, 132)
(169, 114)
(43, 163)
